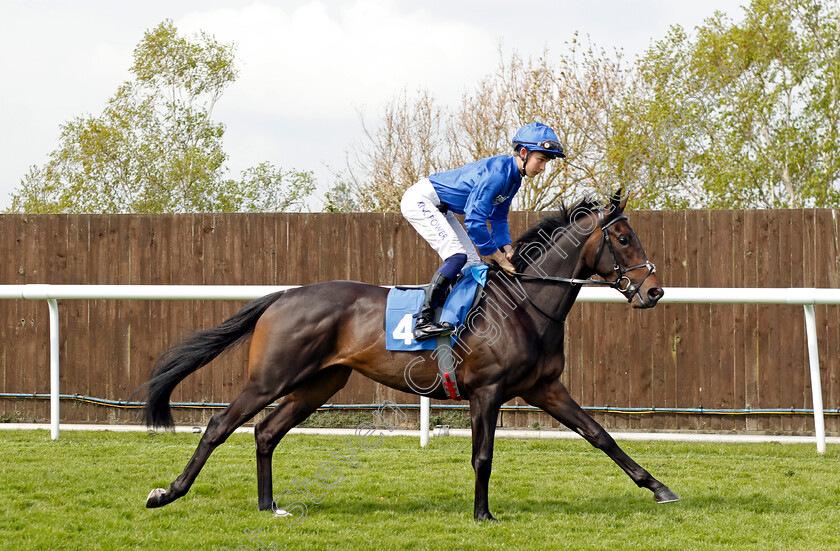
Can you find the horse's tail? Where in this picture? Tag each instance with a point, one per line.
(195, 352)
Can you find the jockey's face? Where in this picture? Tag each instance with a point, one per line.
(536, 163)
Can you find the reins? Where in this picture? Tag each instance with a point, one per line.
(555, 279)
(571, 280)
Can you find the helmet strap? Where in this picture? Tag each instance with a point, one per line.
(524, 160)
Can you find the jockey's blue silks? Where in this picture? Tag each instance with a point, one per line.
(451, 267)
(481, 191)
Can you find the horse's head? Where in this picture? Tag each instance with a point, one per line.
(585, 240)
(614, 252)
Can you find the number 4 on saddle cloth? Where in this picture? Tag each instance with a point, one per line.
(403, 303)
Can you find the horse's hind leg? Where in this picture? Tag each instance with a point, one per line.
(294, 408)
(249, 402)
(554, 399)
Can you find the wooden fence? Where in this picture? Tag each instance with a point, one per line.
(674, 356)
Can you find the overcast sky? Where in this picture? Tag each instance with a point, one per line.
(307, 67)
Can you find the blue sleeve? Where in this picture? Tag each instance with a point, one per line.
(477, 211)
(500, 231)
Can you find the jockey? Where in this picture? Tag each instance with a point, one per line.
(482, 191)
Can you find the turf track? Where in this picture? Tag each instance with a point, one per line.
(87, 490)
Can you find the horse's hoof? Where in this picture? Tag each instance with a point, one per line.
(155, 498)
(665, 496)
(488, 517)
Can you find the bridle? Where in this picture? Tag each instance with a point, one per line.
(628, 290)
(622, 283)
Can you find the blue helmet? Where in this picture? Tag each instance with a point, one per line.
(538, 137)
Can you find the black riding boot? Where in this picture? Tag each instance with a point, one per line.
(436, 292)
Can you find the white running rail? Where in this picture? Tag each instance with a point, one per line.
(807, 297)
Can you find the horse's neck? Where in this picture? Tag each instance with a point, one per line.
(562, 259)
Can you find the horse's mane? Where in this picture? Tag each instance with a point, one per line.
(541, 232)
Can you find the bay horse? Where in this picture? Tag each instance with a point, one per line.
(306, 341)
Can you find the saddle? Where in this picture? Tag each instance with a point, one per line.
(406, 300)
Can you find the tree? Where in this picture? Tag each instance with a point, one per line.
(407, 146)
(155, 147)
(340, 197)
(577, 97)
(741, 115)
(416, 137)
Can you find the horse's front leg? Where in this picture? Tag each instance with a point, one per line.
(554, 399)
(484, 411)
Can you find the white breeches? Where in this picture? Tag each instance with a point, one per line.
(443, 232)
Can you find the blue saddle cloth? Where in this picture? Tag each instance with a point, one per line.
(404, 303)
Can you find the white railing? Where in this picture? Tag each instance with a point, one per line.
(673, 295)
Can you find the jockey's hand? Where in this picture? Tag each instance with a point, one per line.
(500, 258)
(508, 250)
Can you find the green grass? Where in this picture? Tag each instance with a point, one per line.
(336, 419)
(87, 491)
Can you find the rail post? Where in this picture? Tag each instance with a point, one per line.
(55, 413)
(816, 385)
(425, 406)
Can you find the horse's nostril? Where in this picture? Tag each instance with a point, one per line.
(655, 293)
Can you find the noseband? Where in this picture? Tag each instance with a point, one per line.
(622, 283)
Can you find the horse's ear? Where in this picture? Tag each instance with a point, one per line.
(619, 200)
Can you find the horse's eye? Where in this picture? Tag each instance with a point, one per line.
(624, 240)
